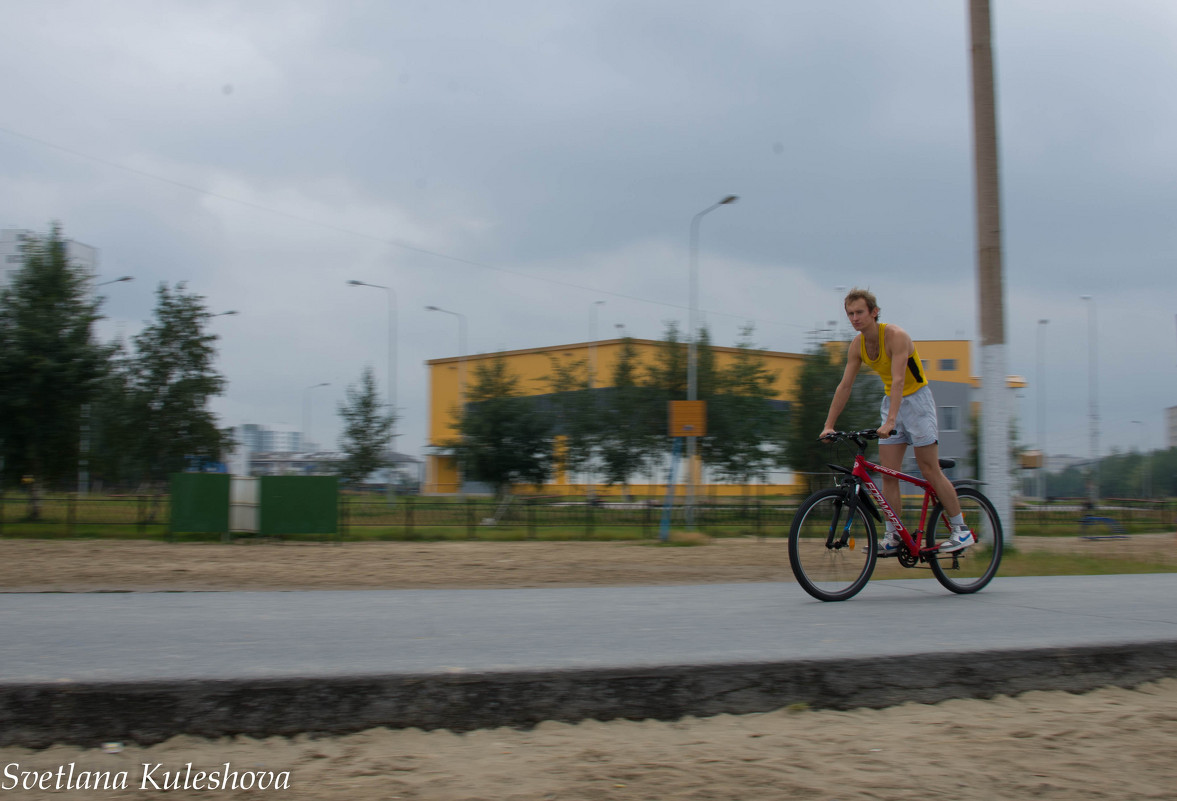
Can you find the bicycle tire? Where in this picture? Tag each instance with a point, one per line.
(832, 572)
(969, 570)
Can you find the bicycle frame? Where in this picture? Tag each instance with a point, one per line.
(862, 471)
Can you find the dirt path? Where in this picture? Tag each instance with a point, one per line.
(108, 565)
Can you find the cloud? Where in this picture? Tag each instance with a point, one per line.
(518, 161)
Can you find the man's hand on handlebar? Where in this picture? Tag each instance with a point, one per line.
(827, 433)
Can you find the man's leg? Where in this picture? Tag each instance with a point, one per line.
(891, 456)
(928, 458)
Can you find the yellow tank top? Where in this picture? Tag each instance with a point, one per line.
(913, 379)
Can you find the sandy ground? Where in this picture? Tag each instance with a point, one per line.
(1107, 744)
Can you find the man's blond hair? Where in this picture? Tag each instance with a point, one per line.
(862, 294)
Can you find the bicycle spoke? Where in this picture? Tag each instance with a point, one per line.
(971, 569)
(831, 551)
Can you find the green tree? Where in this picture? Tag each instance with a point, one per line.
(574, 413)
(1070, 482)
(629, 438)
(1163, 473)
(665, 380)
(976, 422)
(49, 364)
(820, 373)
(504, 438)
(169, 378)
(115, 425)
(366, 427)
(743, 426)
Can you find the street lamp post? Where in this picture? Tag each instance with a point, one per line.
(391, 389)
(692, 347)
(592, 371)
(1041, 411)
(592, 377)
(1093, 398)
(840, 291)
(84, 439)
(1146, 457)
(461, 369)
(306, 413)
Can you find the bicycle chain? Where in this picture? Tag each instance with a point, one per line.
(906, 557)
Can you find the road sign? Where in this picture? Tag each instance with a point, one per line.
(688, 418)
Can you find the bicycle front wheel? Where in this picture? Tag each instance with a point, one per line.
(832, 552)
(971, 569)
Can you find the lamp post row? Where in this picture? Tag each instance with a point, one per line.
(692, 371)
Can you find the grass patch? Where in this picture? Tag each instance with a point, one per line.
(1040, 563)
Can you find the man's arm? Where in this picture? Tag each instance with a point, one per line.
(845, 386)
(900, 348)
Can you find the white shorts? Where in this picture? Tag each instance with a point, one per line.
(916, 424)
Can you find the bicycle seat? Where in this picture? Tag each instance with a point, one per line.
(947, 463)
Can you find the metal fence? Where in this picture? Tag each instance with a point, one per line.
(476, 518)
(71, 515)
(1112, 516)
(413, 517)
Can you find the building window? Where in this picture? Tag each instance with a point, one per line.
(948, 365)
(950, 418)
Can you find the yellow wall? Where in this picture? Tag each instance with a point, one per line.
(533, 366)
(934, 352)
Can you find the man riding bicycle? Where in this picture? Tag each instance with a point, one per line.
(908, 409)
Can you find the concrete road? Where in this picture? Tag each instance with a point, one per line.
(382, 644)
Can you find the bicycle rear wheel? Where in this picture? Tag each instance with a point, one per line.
(971, 569)
(831, 552)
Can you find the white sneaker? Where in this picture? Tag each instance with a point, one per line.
(961, 538)
(889, 544)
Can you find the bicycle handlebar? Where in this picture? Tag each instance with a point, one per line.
(859, 437)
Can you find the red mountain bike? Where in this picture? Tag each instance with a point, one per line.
(833, 546)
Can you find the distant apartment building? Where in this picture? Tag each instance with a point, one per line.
(257, 438)
(264, 451)
(12, 258)
(1171, 426)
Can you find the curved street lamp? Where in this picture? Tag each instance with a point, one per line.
(461, 370)
(392, 304)
(1041, 410)
(1093, 398)
(692, 348)
(306, 413)
(84, 439)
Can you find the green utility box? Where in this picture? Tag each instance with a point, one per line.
(200, 503)
(299, 505)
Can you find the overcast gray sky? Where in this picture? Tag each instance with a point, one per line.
(516, 161)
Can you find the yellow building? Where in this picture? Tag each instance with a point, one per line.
(946, 363)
